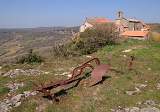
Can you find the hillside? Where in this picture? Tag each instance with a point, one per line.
(122, 91)
(155, 27)
(14, 42)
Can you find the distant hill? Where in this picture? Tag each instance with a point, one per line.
(155, 27)
(14, 42)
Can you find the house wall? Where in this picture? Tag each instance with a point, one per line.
(121, 23)
(125, 22)
(124, 25)
(131, 26)
(139, 26)
(134, 26)
(138, 38)
(85, 26)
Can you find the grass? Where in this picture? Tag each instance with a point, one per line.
(3, 89)
(110, 94)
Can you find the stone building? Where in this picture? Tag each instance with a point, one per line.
(125, 24)
(131, 28)
(127, 27)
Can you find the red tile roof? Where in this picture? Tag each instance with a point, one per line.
(135, 33)
(102, 20)
(97, 20)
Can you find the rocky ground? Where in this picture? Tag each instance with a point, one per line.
(14, 101)
(8, 103)
(17, 72)
(126, 91)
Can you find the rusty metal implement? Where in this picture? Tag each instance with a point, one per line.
(98, 71)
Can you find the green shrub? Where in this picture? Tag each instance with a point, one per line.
(30, 58)
(3, 90)
(60, 50)
(94, 38)
(88, 41)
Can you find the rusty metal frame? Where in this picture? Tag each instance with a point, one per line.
(46, 89)
(98, 71)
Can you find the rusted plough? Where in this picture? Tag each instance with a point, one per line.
(98, 71)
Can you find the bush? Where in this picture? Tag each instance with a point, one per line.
(94, 38)
(30, 58)
(89, 41)
(60, 50)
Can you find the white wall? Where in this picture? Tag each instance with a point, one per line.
(85, 26)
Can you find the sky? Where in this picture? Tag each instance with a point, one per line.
(49, 13)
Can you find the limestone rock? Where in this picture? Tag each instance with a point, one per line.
(14, 86)
(150, 109)
(7, 104)
(126, 51)
(141, 86)
(18, 72)
(4, 107)
(134, 109)
(158, 86)
(137, 90)
(16, 99)
(150, 103)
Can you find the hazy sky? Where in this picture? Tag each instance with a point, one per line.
(43, 13)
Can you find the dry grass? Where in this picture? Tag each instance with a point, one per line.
(155, 36)
(111, 93)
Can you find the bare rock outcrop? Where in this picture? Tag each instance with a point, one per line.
(7, 104)
(18, 72)
(14, 86)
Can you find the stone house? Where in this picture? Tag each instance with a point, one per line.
(127, 27)
(131, 28)
(125, 24)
